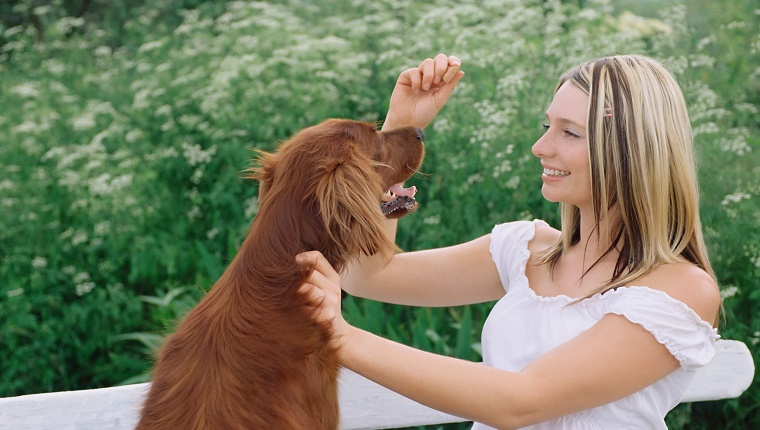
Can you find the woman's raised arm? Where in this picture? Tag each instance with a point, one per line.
(441, 277)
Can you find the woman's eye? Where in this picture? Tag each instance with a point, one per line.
(545, 127)
(571, 133)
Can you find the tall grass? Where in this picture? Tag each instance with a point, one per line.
(121, 147)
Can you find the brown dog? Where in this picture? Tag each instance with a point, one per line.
(249, 355)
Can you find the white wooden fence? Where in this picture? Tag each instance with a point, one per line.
(364, 404)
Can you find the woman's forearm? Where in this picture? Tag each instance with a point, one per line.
(458, 387)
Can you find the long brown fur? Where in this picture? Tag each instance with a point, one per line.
(249, 355)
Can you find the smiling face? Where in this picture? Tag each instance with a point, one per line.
(563, 149)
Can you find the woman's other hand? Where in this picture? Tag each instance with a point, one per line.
(422, 91)
(322, 290)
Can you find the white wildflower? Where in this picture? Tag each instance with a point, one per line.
(734, 198)
(102, 228)
(66, 24)
(152, 45)
(133, 135)
(56, 67)
(122, 181)
(746, 107)
(729, 291)
(194, 213)
(709, 40)
(734, 25)
(164, 110)
(513, 182)
(15, 292)
(25, 127)
(194, 153)
(735, 140)
(140, 100)
(100, 184)
(432, 220)
(39, 262)
(13, 31)
(103, 51)
(504, 167)
(81, 277)
(79, 238)
(84, 288)
(83, 122)
(197, 175)
(251, 207)
(474, 179)
(755, 338)
(706, 128)
(26, 90)
(170, 152)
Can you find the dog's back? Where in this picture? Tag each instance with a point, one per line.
(246, 357)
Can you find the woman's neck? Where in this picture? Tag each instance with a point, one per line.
(595, 241)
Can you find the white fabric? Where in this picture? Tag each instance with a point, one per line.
(523, 326)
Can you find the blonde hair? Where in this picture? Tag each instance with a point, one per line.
(642, 168)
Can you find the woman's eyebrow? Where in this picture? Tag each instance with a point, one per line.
(565, 120)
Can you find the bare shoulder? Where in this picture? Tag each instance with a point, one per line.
(689, 284)
(545, 237)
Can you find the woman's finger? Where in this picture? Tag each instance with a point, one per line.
(427, 69)
(441, 62)
(323, 267)
(453, 64)
(313, 294)
(411, 77)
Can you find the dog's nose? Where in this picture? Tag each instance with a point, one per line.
(420, 134)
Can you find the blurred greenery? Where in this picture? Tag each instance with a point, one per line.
(127, 124)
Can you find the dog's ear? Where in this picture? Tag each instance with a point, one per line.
(348, 195)
(262, 170)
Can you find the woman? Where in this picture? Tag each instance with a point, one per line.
(598, 325)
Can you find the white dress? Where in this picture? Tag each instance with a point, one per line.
(524, 326)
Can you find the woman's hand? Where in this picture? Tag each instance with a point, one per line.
(322, 290)
(422, 91)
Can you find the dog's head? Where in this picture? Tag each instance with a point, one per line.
(342, 178)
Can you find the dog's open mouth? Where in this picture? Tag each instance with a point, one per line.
(398, 198)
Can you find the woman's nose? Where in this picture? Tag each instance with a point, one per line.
(541, 147)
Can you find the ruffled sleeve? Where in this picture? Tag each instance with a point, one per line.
(688, 338)
(509, 248)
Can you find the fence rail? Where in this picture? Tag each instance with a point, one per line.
(364, 404)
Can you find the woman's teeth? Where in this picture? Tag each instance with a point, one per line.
(552, 172)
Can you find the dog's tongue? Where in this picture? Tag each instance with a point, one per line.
(399, 191)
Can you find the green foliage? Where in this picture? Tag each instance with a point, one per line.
(126, 129)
